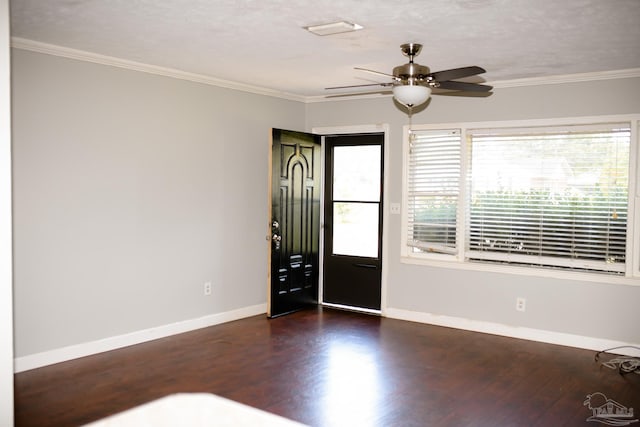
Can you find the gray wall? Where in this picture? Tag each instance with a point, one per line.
(131, 191)
(591, 309)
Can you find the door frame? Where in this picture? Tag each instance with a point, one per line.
(359, 129)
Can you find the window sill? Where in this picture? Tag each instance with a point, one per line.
(522, 271)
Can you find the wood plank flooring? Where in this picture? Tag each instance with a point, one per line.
(327, 367)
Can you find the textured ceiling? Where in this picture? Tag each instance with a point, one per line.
(261, 42)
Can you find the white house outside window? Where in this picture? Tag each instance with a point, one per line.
(544, 195)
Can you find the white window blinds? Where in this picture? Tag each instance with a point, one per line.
(433, 189)
(550, 196)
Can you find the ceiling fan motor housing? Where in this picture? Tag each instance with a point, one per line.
(412, 73)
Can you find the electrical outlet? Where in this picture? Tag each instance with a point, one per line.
(521, 304)
(207, 288)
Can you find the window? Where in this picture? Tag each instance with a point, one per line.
(434, 189)
(544, 195)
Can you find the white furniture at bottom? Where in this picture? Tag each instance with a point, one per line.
(194, 410)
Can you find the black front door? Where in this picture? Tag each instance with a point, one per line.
(295, 221)
(352, 270)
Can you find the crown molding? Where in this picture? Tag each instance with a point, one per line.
(568, 78)
(80, 55)
(50, 49)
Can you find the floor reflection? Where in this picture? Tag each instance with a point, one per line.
(352, 385)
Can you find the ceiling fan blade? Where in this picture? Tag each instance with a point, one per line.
(375, 72)
(457, 73)
(352, 86)
(439, 92)
(360, 94)
(469, 87)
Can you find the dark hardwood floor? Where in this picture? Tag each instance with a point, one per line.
(335, 368)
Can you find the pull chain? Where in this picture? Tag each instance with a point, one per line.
(411, 135)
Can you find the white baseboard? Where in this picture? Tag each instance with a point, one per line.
(549, 337)
(63, 354)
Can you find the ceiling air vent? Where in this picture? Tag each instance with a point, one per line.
(333, 28)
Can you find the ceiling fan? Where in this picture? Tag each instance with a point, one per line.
(412, 83)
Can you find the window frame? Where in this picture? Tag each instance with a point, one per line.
(459, 259)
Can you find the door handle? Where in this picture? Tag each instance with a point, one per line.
(276, 238)
(365, 265)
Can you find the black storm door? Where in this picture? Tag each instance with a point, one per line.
(353, 220)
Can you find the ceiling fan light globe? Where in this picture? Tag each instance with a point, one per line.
(411, 95)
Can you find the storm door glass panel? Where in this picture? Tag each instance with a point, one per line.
(356, 173)
(356, 200)
(355, 229)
